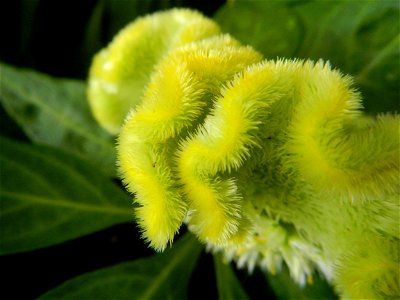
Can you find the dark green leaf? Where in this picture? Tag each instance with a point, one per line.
(120, 13)
(229, 287)
(55, 112)
(48, 196)
(269, 26)
(29, 10)
(92, 40)
(286, 289)
(361, 38)
(162, 276)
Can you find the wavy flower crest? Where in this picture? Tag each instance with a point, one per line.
(266, 161)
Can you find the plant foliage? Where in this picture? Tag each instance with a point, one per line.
(57, 165)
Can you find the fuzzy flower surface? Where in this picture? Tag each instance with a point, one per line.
(269, 162)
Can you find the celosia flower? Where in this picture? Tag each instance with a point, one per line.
(265, 161)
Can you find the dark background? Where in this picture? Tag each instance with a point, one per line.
(55, 36)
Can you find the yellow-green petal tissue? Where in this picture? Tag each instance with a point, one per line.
(270, 162)
(120, 72)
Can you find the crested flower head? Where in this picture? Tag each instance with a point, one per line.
(269, 162)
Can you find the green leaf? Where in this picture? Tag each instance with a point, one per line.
(361, 38)
(228, 285)
(29, 9)
(93, 34)
(120, 13)
(161, 276)
(48, 196)
(269, 26)
(55, 112)
(286, 289)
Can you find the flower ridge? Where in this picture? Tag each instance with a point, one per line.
(266, 161)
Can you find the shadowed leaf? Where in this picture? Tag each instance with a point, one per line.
(48, 196)
(55, 112)
(229, 287)
(162, 276)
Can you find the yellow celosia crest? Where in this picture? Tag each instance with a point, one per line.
(268, 161)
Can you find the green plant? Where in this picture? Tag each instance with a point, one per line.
(278, 165)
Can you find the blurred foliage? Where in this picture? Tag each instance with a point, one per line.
(60, 37)
(49, 196)
(229, 287)
(162, 276)
(361, 38)
(285, 288)
(66, 189)
(38, 102)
